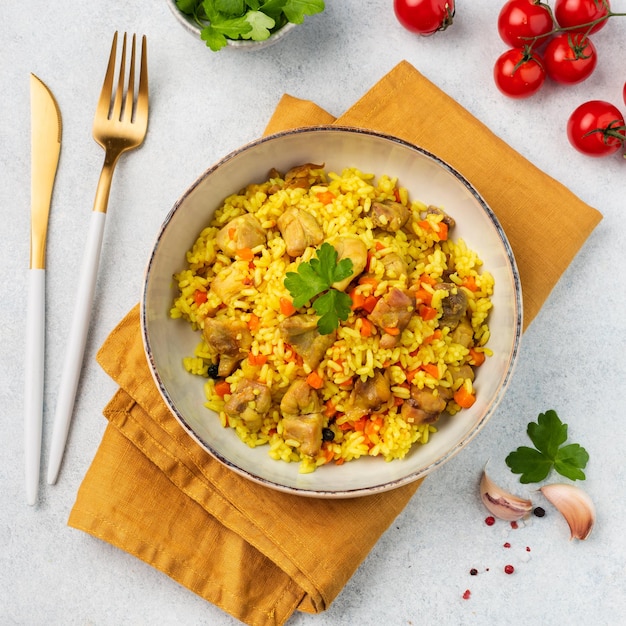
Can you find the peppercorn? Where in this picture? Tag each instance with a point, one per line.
(212, 372)
(328, 434)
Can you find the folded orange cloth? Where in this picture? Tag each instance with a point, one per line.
(257, 553)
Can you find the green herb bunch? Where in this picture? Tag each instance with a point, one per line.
(256, 20)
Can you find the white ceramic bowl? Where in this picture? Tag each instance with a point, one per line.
(428, 179)
(240, 44)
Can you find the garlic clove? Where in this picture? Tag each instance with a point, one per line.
(502, 504)
(575, 506)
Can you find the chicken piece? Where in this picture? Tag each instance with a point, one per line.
(454, 305)
(354, 249)
(461, 372)
(299, 229)
(228, 283)
(244, 231)
(301, 176)
(302, 417)
(393, 311)
(230, 339)
(300, 398)
(302, 334)
(463, 334)
(446, 219)
(389, 215)
(413, 414)
(394, 266)
(427, 400)
(250, 401)
(369, 395)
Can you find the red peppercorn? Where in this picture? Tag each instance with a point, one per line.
(509, 569)
(467, 594)
(514, 525)
(473, 571)
(490, 521)
(507, 545)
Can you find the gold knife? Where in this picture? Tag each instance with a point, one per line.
(45, 121)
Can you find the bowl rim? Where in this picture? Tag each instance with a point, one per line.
(388, 484)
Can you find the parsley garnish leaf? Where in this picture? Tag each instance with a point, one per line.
(316, 277)
(548, 435)
(332, 306)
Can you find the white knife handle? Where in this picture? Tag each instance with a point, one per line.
(76, 345)
(33, 378)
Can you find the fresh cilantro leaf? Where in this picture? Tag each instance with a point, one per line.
(548, 435)
(332, 306)
(316, 277)
(295, 10)
(261, 26)
(230, 7)
(187, 6)
(214, 39)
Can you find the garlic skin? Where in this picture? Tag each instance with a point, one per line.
(502, 504)
(575, 506)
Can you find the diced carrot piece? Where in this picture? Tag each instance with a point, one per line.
(325, 197)
(477, 358)
(392, 330)
(368, 280)
(359, 425)
(199, 296)
(245, 254)
(370, 303)
(315, 380)
(436, 335)
(469, 282)
(231, 233)
(340, 461)
(286, 307)
(431, 369)
(423, 296)
(366, 327)
(427, 312)
(464, 398)
(396, 194)
(358, 299)
(428, 280)
(330, 409)
(222, 388)
(257, 359)
(410, 375)
(254, 322)
(379, 246)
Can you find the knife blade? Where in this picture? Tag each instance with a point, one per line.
(46, 130)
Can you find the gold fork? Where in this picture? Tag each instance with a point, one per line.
(120, 124)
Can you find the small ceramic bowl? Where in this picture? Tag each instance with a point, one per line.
(428, 179)
(238, 44)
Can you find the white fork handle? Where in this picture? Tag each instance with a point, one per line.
(33, 379)
(76, 345)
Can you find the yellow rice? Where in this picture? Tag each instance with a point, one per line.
(385, 433)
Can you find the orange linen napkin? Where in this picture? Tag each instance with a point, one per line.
(257, 553)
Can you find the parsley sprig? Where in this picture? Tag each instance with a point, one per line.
(245, 19)
(548, 435)
(316, 277)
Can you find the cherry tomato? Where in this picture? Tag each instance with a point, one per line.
(596, 128)
(570, 13)
(424, 17)
(520, 20)
(569, 58)
(624, 93)
(519, 73)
